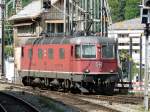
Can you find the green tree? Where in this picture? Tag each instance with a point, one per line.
(121, 15)
(8, 51)
(114, 7)
(132, 9)
(25, 2)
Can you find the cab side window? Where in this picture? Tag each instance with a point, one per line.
(78, 51)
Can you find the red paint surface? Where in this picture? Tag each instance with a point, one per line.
(68, 64)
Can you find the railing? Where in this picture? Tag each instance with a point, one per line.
(54, 34)
(53, 15)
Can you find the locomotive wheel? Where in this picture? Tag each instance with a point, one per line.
(66, 85)
(105, 88)
(24, 81)
(108, 88)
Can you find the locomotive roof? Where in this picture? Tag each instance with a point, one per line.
(75, 40)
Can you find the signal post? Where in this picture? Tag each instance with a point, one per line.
(145, 19)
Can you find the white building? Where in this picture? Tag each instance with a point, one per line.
(125, 30)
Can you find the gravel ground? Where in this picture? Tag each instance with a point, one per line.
(119, 107)
(45, 104)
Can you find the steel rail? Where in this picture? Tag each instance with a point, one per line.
(2, 108)
(20, 101)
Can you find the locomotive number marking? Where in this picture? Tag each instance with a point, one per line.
(98, 64)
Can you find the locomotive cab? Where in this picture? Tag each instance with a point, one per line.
(97, 62)
(96, 58)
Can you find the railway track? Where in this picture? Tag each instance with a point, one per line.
(66, 99)
(77, 100)
(71, 99)
(11, 103)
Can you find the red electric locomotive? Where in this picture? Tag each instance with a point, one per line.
(87, 63)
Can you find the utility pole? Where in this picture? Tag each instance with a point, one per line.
(145, 19)
(140, 74)
(2, 6)
(146, 68)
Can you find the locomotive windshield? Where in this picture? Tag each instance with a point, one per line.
(85, 51)
(108, 51)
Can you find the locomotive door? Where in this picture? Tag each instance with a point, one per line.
(71, 58)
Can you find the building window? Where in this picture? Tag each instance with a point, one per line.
(30, 53)
(29, 29)
(123, 44)
(61, 53)
(40, 53)
(135, 44)
(123, 35)
(60, 27)
(55, 27)
(50, 53)
(51, 28)
(136, 51)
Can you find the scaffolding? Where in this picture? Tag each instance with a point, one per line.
(95, 11)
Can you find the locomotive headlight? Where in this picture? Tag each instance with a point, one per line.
(111, 71)
(86, 71)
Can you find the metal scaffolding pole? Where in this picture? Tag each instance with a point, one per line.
(130, 64)
(2, 6)
(64, 17)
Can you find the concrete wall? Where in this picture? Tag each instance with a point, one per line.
(9, 65)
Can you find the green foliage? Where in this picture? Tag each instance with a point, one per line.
(11, 10)
(25, 2)
(125, 59)
(8, 34)
(114, 7)
(122, 5)
(132, 9)
(124, 9)
(8, 51)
